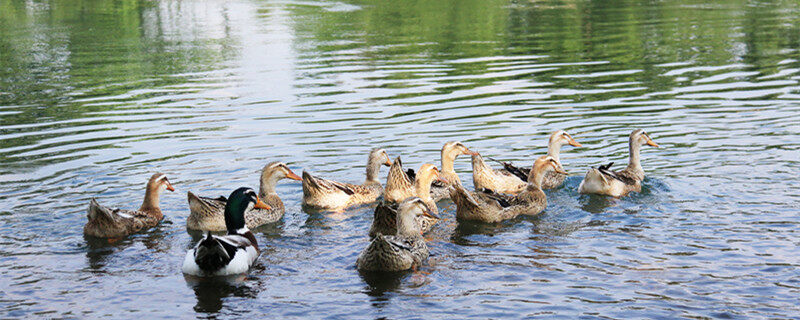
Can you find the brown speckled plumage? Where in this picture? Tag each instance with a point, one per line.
(404, 250)
(207, 214)
(486, 206)
(331, 195)
(619, 183)
(105, 222)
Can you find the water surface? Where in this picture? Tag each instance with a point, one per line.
(95, 96)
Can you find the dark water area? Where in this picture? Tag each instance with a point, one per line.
(95, 96)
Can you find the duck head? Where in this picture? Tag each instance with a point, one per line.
(407, 213)
(155, 187)
(377, 157)
(272, 173)
(240, 201)
(639, 137)
(561, 137)
(541, 166)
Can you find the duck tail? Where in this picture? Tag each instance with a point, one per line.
(96, 211)
(310, 182)
(210, 255)
(461, 196)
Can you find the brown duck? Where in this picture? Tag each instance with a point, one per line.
(332, 195)
(208, 214)
(105, 222)
(487, 206)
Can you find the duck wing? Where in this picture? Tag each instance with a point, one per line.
(325, 185)
(519, 172)
(618, 175)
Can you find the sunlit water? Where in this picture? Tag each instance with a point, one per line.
(96, 96)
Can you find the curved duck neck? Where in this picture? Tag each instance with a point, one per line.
(554, 150)
(151, 199)
(373, 169)
(633, 157)
(268, 183)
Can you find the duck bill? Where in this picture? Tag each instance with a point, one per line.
(652, 143)
(293, 176)
(440, 178)
(472, 153)
(430, 213)
(170, 187)
(574, 143)
(387, 163)
(261, 205)
(561, 170)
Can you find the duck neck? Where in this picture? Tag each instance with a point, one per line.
(447, 162)
(268, 183)
(535, 178)
(554, 150)
(423, 187)
(633, 157)
(151, 200)
(373, 169)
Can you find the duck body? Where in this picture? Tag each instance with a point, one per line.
(405, 249)
(502, 181)
(220, 256)
(332, 195)
(233, 253)
(105, 222)
(486, 206)
(393, 253)
(603, 181)
(207, 214)
(490, 207)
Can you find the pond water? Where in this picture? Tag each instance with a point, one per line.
(95, 96)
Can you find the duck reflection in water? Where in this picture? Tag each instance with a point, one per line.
(211, 291)
(99, 249)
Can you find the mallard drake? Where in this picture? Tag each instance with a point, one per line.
(450, 151)
(404, 250)
(401, 189)
(487, 206)
(207, 214)
(105, 222)
(619, 183)
(230, 254)
(328, 194)
(551, 180)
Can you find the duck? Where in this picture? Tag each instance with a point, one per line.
(105, 222)
(603, 181)
(440, 190)
(488, 206)
(332, 195)
(501, 181)
(208, 214)
(230, 254)
(403, 250)
(401, 189)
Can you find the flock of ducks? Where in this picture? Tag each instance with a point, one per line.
(408, 208)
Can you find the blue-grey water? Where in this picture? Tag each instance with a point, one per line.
(95, 96)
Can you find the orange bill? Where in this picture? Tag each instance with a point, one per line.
(169, 186)
(574, 143)
(261, 205)
(651, 143)
(387, 163)
(293, 176)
